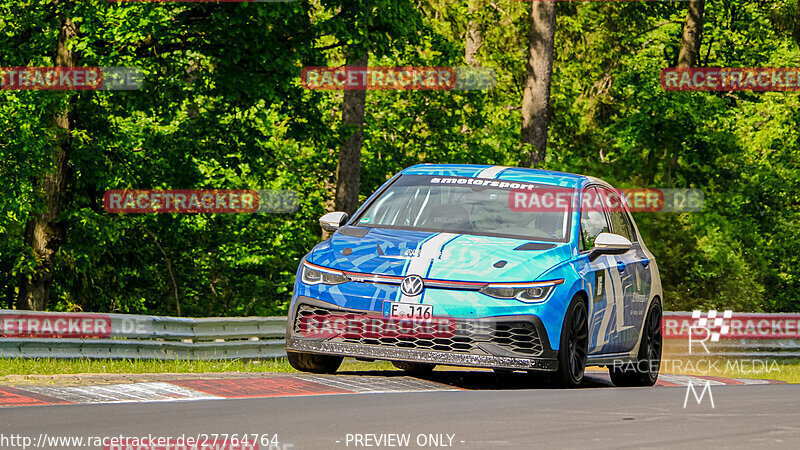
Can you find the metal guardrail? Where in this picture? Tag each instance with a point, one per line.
(29, 334)
(117, 336)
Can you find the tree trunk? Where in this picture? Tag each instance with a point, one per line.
(168, 262)
(796, 26)
(539, 71)
(43, 232)
(692, 34)
(474, 36)
(348, 172)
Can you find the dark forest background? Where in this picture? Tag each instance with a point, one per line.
(222, 106)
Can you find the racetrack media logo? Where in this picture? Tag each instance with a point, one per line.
(730, 79)
(402, 78)
(714, 327)
(711, 325)
(200, 201)
(62, 78)
(699, 328)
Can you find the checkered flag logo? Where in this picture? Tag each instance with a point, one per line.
(714, 324)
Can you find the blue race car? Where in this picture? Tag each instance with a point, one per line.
(482, 266)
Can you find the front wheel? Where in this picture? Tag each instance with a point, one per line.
(643, 371)
(308, 362)
(574, 346)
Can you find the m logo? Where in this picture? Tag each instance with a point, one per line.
(412, 285)
(707, 387)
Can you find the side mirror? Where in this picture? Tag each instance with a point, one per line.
(333, 220)
(609, 244)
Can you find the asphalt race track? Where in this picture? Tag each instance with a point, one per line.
(479, 410)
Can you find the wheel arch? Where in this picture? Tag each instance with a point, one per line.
(577, 290)
(656, 299)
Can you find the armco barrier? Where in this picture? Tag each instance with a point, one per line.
(29, 334)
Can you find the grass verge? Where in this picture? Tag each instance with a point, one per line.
(47, 366)
(788, 371)
(751, 368)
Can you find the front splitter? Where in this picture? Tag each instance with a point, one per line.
(424, 356)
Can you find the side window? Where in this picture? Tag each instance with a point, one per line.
(593, 219)
(617, 214)
(627, 216)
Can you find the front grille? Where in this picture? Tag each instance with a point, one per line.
(467, 336)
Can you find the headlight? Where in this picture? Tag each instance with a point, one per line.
(525, 292)
(313, 274)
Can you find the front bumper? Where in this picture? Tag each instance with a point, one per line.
(507, 342)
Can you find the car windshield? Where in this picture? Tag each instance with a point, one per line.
(467, 205)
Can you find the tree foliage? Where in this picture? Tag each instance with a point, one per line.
(222, 106)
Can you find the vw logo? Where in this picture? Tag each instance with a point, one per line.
(412, 285)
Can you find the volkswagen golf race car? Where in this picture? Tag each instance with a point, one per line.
(482, 266)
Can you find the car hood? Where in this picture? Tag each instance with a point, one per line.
(444, 256)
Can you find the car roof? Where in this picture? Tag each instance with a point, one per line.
(505, 173)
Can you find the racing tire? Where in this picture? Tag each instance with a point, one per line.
(308, 362)
(414, 368)
(574, 346)
(644, 371)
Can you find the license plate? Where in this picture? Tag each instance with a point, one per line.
(407, 310)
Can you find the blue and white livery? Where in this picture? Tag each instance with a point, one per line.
(516, 268)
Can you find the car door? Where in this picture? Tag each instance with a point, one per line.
(598, 274)
(632, 275)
